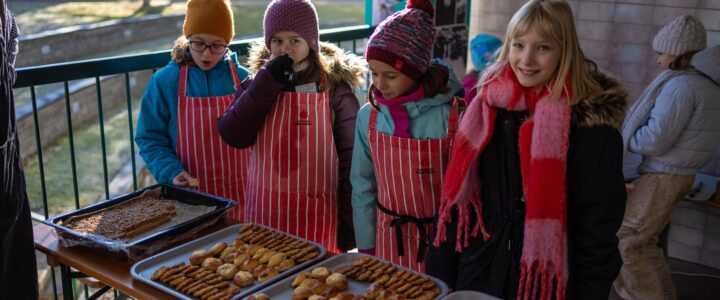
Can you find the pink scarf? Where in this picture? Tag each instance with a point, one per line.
(543, 143)
(398, 112)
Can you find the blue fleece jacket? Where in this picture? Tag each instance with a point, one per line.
(156, 133)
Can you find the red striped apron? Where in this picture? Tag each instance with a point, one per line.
(409, 174)
(293, 173)
(220, 169)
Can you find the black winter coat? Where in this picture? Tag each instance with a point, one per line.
(596, 204)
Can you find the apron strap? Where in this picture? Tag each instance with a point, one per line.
(398, 221)
(233, 71)
(183, 81)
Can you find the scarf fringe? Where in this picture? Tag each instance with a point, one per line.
(541, 278)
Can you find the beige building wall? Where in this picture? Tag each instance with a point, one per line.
(616, 34)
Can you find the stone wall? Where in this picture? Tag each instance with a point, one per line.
(52, 113)
(77, 42)
(616, 34)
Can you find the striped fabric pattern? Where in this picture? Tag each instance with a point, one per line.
(293, 174)
(220, 169)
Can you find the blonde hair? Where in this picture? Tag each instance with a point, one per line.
(181, 52)
(552, 19)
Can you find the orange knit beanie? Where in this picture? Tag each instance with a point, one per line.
(209, 16)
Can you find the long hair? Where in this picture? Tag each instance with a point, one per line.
(434, 81)
(552, 19)
(316, 71)
(181, 52)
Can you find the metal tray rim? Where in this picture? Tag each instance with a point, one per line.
(137, 268)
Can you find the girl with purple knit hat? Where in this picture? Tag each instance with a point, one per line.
(298, 113)
(402, 138)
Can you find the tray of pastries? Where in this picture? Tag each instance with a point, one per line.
(228, 264)
(353, 276)
(138, 224)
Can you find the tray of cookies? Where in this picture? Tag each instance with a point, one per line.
(228, 264)
(141, 223)
(354, 276)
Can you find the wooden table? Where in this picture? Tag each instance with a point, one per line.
(113, 273)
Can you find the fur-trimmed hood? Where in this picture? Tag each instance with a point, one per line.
(342, 66)
(605, 108)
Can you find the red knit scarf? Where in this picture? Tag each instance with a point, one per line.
(543, 143)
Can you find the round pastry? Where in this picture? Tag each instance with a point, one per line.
(197, 257)
(374, 290)
(307, 282)
(232, 288)
(211, 263)
(248, 265)
(258, 269)
(286, 264)
(266, 257)
(227, 270)
(337, 280)
(258, 296)
(243, 279)
(301, 293)
(219, 247)
(276, 259)
(226, 251)
(240, 259)
(229, 258)
(260, 252)
(317, 287)
(343, 296)
(321, 273)
(299, 279)
(252, 249)
(267, 274)
(317, 297)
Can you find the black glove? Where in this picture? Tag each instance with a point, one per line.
(281, 68)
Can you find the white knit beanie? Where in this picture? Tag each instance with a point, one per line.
(682, 35)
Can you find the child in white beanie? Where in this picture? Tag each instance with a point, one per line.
(673, 126)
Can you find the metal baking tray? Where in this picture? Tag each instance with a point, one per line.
(469, 295)
(144, 269)
(282, 289)
(136, 248)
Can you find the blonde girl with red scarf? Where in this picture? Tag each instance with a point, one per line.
(534, 191)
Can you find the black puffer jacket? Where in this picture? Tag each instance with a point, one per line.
(596, 204)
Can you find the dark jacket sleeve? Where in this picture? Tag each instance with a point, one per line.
(242, 121)
(596, 204)
(345, 108)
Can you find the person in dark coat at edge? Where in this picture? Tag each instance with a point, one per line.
(298, 113)
(18, 269)
(534, 192)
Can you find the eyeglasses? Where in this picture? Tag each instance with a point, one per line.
(200, 47)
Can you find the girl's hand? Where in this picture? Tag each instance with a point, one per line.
(281, 68)
(184, 179)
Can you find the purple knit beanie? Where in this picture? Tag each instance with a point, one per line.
(405, 39)
(298, 16)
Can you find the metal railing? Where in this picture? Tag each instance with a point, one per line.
(349, 38)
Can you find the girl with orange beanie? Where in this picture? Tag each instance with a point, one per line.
(176, 132)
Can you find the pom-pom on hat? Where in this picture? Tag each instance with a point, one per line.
(298, 16)
(482, 48)
(405, 39)
(211, 17)
(682, 35)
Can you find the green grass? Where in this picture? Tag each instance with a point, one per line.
(88, 159)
